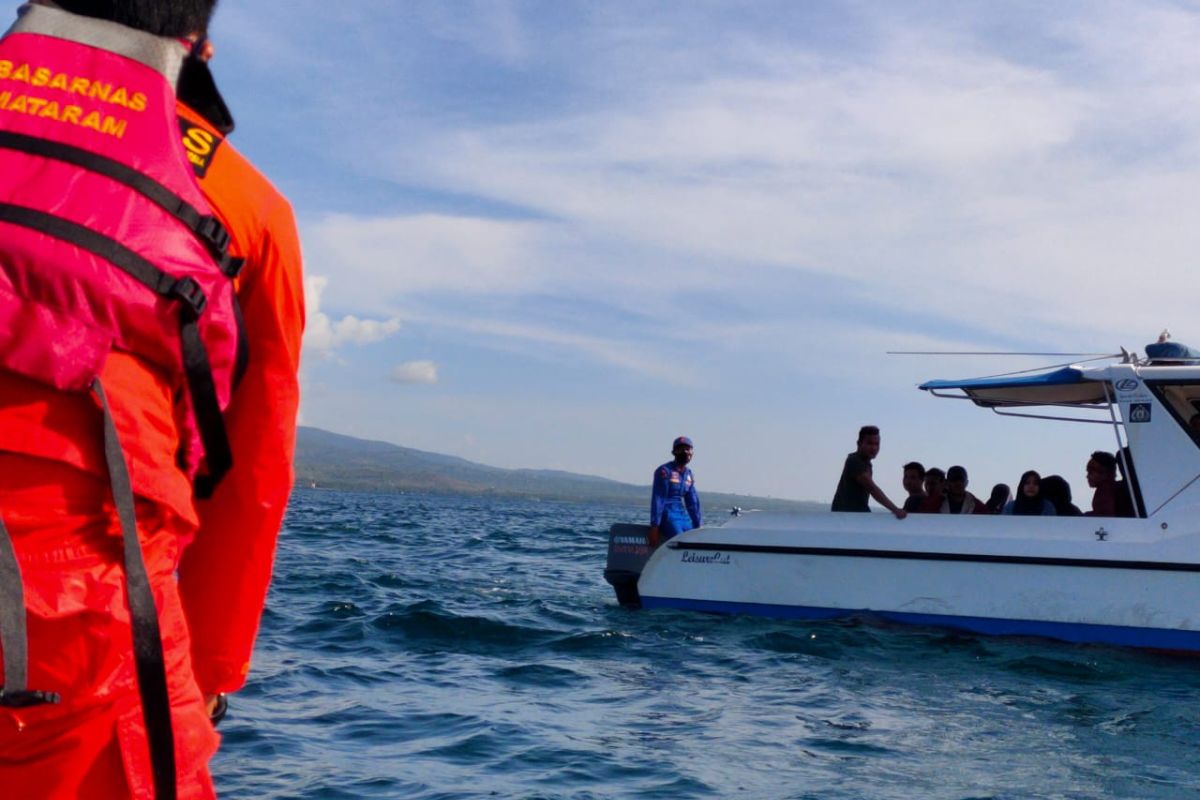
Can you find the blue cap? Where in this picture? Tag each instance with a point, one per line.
(682, 440)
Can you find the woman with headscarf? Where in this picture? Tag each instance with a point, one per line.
(1029, 501)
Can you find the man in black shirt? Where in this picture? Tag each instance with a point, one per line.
(857, 484)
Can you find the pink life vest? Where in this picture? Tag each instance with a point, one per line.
(106, 241)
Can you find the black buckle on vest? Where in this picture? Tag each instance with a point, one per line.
(26, 698)
(190, 293)
(214, 235)
(231, 266)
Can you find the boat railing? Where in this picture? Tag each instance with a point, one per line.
(1027, 415)
(996, 407)
(1122, 450)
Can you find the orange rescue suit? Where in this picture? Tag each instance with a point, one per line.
(54, 497)
(224, 575)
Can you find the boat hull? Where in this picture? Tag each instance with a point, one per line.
(1119, 582)
(1123, 636)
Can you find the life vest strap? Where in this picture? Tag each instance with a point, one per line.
(26, 698)
(97, 244)
(13, 636)
(207, 228)
(218, 455)
(12, 617)
(143, 615)
(242, 359)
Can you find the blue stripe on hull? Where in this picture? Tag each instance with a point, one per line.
(1155, 638)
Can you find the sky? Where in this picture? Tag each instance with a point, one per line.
(557, 234)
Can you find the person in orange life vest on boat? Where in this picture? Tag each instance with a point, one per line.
(674, 503)
(129, 600)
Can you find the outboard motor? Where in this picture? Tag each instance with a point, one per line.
(628, 549)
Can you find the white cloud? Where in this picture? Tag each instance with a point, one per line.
(492, 27)
(323, 335)
(415, 372)
(548, 342)
(614, 201)
(946, 179)
(936, 166)
(381, 260)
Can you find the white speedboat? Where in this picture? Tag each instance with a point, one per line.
(1124, 581)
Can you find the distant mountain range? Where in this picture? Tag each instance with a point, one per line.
(333, 461)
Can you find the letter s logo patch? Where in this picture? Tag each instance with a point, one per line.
(200, 146)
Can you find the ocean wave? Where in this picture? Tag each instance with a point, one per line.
(446, 648)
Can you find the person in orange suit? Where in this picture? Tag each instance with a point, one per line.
(224, 575)
(209, 561)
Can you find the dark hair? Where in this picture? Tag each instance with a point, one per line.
(1106, 460)
(1000, 496)
(956, 472)
(935, 472)
(1123, 459)
(1056, 486)
(867, 430)
(916, 466)
(1056, 489)
(1026, 474)
(160, 17)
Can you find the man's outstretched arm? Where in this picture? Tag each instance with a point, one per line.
(866, 480)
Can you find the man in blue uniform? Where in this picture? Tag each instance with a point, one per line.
(674, 504)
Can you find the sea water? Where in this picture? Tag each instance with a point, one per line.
(447, 647)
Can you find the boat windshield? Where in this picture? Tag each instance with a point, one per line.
(1182, 399)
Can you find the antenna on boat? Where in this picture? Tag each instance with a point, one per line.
(994, 353)
(1081, 358)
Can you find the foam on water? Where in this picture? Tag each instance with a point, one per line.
(430, 647)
